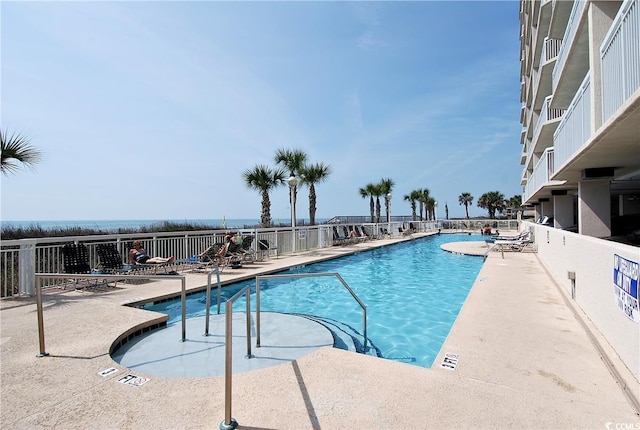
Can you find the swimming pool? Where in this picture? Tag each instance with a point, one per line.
(413, 292)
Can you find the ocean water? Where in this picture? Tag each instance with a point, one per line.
(111, 225)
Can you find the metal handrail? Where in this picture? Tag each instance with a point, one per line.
(40, 276)
(215, 270)
(307, 275)
(230, 423)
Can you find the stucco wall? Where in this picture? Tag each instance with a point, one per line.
(592, 261)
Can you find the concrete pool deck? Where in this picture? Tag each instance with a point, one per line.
(523, 358)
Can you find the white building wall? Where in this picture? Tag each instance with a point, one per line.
(594, 207)
(592, 261)
(563, 212)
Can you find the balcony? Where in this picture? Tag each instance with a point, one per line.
(549, 54)
(560, 12)
(573, 59)
(545, 127)
(537, 184)
(575, 128)
(523, 135)
(543, 18)
(620, 57)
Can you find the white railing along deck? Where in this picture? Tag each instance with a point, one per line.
(575, 127)
(569, 35)
(620, 56)
(21, 259)
(541, 172)
(546, 114)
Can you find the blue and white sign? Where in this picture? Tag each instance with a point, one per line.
(625, 281)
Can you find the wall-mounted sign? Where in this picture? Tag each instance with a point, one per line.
(625, 286)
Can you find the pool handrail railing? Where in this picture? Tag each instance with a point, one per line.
(308, 275)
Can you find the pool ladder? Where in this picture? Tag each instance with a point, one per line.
(230, 423)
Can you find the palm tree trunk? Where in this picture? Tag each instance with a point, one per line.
(312, 205)
(372, 208)
(265, 216)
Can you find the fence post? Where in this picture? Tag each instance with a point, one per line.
(27, 265)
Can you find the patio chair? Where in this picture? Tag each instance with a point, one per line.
(213, 257)
(263, 249)
(517, 245)
(111, 261)
(361, 232)
(75, 260)
(355, 235)
(168, 267)
(337, 238)
(246, 251)
(524, 235)
(346, 235)
(404, 231)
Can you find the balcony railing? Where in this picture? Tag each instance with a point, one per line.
(575, 128)
(569, 35)
(620, 56)
(551, 49)
(541, 173)
(546, 114)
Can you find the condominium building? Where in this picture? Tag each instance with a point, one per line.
(580, 94)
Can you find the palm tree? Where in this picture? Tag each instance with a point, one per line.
(423, 197)
(369, 191)
(431, 205)
(413, 197)
(386, 186)
(311, 175)
(465, 199)
(514, 204)
(263, 179)
(492, 201)
(293, 160)
(16, 150)
(377, 192)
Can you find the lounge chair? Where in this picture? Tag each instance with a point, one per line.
(354, 235)
(75, 260)
(246, 250)
(338, 239)
(234, 255)
(111, 261)
(168, 267)
(404, 231)
(263, 249)
(347, 236)
(517, 245)
(523, 235)
(362, 232)
(213, 257)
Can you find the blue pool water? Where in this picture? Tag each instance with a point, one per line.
(413, 292)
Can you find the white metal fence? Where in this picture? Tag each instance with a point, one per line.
(541, 173)
(620, 56)
(574, 129)
(579, 6)
(21, 259)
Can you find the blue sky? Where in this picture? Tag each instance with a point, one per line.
(152, 110)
